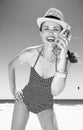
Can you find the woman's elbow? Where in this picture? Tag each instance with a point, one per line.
(57, 88)
(10, 66)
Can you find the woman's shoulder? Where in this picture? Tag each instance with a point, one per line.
(32, 49)
(30, 54)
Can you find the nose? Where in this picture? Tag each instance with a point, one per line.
(51, 32)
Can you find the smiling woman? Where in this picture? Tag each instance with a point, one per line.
(48, 72)
(50, 30)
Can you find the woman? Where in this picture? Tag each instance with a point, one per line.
(48, 72)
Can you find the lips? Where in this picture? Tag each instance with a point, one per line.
(50, 38)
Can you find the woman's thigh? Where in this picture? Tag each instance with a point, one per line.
(20, 116)
(48, 120)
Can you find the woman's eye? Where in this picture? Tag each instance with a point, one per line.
(56, 30)
(46, 29)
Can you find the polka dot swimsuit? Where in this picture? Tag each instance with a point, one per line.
(37, 93)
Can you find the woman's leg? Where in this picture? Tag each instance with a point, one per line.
(48, 120)
(20, 116)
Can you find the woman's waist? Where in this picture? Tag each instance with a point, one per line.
(36, 99)
(37, 91)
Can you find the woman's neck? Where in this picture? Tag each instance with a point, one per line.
(48, 53)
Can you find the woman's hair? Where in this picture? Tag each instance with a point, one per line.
(71, 56)
(41, 27)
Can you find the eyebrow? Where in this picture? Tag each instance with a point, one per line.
(45, 26)
(53, 27)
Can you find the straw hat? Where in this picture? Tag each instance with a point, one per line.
(54, 15)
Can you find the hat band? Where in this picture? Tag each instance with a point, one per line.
(53, 17)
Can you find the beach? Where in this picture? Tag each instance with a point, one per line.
(69, 117)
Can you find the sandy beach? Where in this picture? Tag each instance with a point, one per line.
(69, 117)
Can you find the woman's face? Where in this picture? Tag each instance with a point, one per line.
(50, 32)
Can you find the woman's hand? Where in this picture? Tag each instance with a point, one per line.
(18, 95)
(62, 45)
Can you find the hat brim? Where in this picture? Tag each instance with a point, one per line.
(60, 22)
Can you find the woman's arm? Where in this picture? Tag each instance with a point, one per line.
(11, 74)
(25, 56)
(57, 86)
(59, 80)
(62, 67)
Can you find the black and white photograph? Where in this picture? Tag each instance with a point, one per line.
(41, 65)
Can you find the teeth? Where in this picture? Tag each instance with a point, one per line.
(50, 39)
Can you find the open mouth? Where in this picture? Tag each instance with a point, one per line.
(50, 38)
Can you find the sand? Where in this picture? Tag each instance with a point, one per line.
(69, 117)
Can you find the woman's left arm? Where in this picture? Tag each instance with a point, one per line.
(62, 67)
(59, 80)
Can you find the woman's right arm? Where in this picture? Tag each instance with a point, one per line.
(25, 56)
(18, 60)
(11, 73)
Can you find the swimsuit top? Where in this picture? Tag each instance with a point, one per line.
(36, 75)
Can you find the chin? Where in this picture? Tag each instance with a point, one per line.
(50, 43)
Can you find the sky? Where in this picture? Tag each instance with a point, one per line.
(18, 30)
